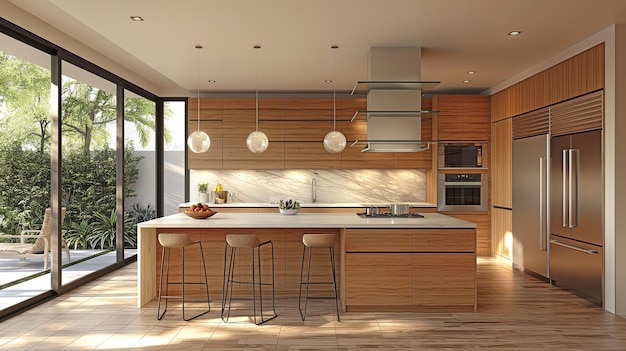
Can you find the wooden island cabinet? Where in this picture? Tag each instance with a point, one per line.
(384, 264)
(426, 270)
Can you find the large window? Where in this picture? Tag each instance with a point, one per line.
(140, 173)
(62, 135)
(174, 156)
(88, 182)
(24, 169)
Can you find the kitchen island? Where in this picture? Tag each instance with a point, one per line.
(385, 263)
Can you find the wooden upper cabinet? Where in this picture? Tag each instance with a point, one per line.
(578, 75)
(463, 117)
(295, 128)
(210, 123)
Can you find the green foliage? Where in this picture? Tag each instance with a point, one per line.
(88, 189)
(76, 236)
(142, 214)
(203, 187)
(25, 95)
(104, 231)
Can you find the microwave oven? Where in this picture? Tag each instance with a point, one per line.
(461, 155)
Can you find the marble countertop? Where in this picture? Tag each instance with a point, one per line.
(305, 220)
(313, 205)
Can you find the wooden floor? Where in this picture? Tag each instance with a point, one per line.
(516, 312)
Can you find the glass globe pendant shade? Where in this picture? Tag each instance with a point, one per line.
(334, 142)
(257, 142)
(198, 141)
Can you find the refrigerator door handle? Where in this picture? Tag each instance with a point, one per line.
(573, 187)
(541, 187)
(565, 202)
(574, 247)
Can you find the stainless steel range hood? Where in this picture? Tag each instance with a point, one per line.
(394, 98)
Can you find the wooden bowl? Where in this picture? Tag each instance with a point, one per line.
(200, 215)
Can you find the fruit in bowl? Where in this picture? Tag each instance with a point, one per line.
(289, 207)
(200, 210)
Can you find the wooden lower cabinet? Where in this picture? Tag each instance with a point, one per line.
(419, 270)
(444, 279)
(374, 279)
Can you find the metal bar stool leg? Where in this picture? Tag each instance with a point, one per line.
(159, 314)
(251, 242)
(311, 241)
(332, 263)
(169, 241)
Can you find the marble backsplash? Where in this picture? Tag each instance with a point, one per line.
(333, 186)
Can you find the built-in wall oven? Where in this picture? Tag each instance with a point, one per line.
(462, 192)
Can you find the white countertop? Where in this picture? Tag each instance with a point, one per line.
(305, 220)
(314, 205)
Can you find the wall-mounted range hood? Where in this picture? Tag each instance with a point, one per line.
(394, 98)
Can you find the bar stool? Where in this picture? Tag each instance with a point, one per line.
(252, 242)
(312, 241)
(179, 241)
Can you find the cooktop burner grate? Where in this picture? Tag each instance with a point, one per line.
(389, 215)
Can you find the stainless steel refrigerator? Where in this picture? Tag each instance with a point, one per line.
(576, 213)
(530, 212)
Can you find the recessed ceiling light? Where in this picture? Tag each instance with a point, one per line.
(467, 81)
(136, 18)
(471, 72)
(515, 32)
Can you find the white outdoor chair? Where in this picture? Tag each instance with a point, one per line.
(41, 245)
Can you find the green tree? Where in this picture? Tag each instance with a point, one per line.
(25, 101)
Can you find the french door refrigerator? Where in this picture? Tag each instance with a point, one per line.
(530, 212)
(576, 211)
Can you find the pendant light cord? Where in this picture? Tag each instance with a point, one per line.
(335, 47)
(257, 87)
(198, 83)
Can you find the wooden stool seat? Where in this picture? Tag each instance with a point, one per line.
(176, 241)
(245, 241)
(319, 240)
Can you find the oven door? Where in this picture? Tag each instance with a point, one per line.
(462, 192)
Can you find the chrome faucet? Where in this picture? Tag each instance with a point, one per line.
(313, 190)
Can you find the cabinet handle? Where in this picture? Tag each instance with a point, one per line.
(541, 232)
(574, 247)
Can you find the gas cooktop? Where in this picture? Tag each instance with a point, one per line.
(389, 215)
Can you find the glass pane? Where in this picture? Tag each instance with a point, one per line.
(88, 108)
(24, 170)
(139, 166)
(174, 156)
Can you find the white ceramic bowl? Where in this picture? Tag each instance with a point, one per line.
(288, 211)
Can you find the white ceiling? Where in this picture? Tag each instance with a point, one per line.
(456, 36)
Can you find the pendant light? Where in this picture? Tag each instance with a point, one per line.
(198, 141)
(257, 141)
(334, 141)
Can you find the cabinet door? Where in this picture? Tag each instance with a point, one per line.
(450, 119)
(463, 118)
(502, 166)
(444, 279)
(501, 238)
(210, 123)
(378, 279)
(476, 117)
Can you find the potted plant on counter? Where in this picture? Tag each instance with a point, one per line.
(289, 207)
(203, 192)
